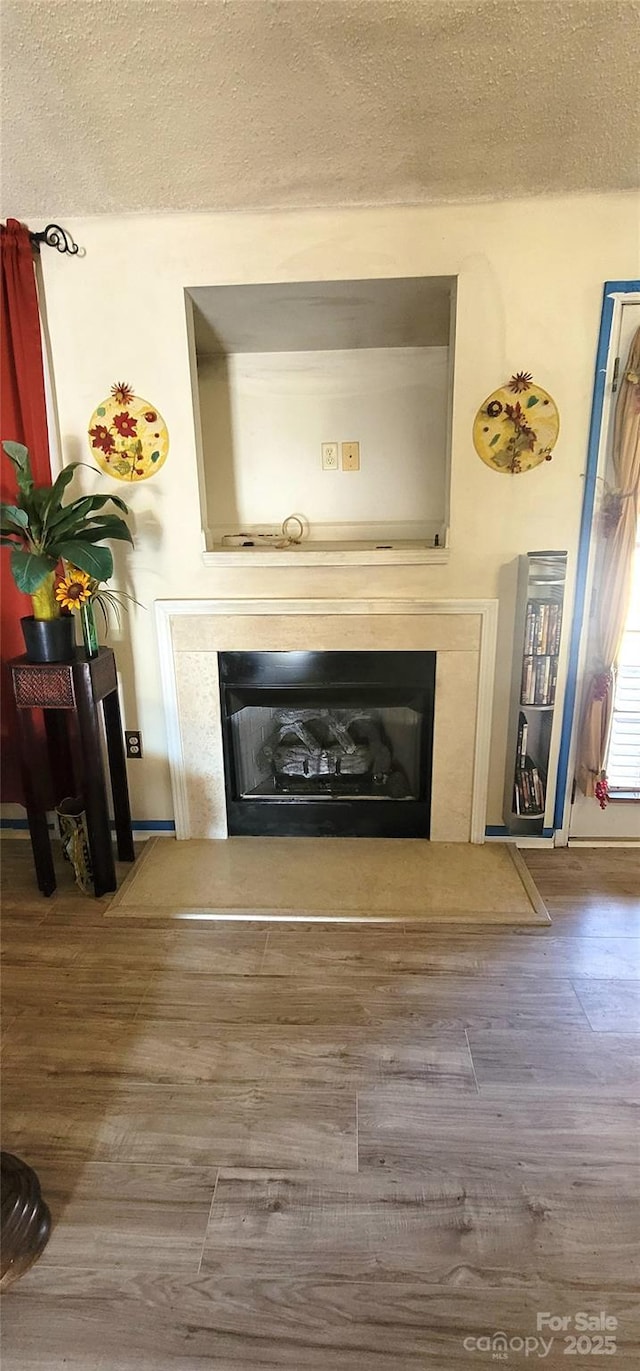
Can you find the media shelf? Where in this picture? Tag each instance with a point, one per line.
(529, 784)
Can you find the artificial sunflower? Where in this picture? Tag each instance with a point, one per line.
(74, 589)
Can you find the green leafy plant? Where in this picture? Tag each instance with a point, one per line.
(42, 531)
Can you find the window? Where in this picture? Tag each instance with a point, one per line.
(623, 767)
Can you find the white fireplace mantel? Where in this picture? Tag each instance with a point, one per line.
(461, 632)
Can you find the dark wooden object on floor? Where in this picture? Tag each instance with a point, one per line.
(73, 691)
(26, 1221)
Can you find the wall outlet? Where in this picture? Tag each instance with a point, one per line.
(133, 743)
(329, 456)
(350, 456)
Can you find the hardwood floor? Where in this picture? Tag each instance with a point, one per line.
(324, 1147)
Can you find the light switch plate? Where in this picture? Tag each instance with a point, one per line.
(350, 456)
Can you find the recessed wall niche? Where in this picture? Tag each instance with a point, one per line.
(280, 369)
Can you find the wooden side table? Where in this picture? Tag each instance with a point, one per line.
(70, 693)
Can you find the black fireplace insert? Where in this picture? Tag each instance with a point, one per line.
(328, 743)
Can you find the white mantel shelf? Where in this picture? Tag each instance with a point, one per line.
(328, 554)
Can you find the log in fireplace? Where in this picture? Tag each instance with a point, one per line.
(328, 743)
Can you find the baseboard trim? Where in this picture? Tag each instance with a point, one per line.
(603, 842)
(141, 828)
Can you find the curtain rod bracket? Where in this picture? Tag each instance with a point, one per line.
(55, 237)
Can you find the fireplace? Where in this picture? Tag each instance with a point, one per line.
(194, 634)
(328, 743)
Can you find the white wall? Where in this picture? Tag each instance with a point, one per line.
(265, 415)
(529, 296)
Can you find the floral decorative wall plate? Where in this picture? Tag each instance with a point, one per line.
(128, 437)
(517, 426)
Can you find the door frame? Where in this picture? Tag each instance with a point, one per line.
(615, 295)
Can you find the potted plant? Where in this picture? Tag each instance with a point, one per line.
(42, 532)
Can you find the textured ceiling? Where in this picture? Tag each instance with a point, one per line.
(134, 105)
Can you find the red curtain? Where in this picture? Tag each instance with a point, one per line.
(23, 420)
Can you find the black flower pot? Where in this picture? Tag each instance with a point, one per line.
(49, 640)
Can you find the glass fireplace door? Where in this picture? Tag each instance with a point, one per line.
(336, 746)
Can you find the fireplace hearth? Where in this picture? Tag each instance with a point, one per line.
(328, 743)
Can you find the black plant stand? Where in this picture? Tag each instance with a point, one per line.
(70, 694)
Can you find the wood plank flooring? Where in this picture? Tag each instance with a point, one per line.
(324, 1147)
